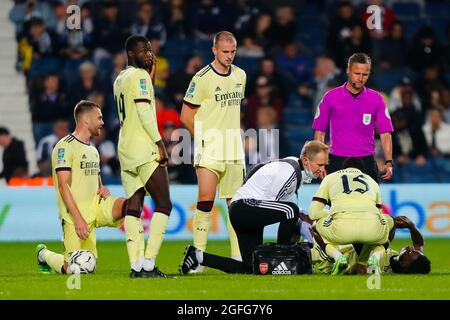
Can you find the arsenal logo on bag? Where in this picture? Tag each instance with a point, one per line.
(278, 259)
(263, 267)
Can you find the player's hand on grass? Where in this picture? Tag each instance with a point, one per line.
(103, 192)
(81, 228)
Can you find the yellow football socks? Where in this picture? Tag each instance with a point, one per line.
(200, 229)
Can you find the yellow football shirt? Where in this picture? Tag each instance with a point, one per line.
(217, 123)
(135, 147)
(84, 163)
(385, 260)
(350, 191)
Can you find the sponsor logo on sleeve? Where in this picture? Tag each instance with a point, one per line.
(143, 84)
(61, 152)
(191, 88)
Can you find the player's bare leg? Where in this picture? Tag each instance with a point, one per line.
(158, 187)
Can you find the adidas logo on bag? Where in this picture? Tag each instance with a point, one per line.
(281, 269)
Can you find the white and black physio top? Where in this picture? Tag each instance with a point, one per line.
(277, 180)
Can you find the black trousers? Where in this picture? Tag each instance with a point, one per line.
(249, 217)
(336, 163)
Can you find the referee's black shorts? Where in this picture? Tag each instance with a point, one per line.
(336, 163)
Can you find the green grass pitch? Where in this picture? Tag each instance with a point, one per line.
(19, 278)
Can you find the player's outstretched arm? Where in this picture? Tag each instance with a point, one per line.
(81, 227)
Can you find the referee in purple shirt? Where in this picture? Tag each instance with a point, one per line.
(353, 111)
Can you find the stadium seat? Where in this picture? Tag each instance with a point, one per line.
(385, 80)
(438, 24)
(310, 9)
(411, 27)
(298, 133)
(203, 48)
(250, 65)
(71, 72)
(415, 174)
(441, 166)
(176, 51)
(45, 66)
(437, 10)
(406, 9)
(297, 116)
(178, 47)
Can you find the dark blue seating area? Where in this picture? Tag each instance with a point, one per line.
(409, 10)
(312, 22)
(435, 170)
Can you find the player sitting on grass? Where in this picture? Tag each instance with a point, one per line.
(83, 202)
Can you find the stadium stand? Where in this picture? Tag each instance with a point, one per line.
(14, 110)
(324, 34)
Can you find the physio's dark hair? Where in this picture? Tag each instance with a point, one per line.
(133, 40)
(82, 107)
(359, 57)
(354, 162)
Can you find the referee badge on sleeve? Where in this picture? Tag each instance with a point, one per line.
(367, 117)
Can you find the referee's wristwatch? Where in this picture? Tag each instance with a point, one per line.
(389, 162)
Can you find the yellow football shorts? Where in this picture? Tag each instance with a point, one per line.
(369, 228)
(103, 209)
(230, 174)
(133, 180)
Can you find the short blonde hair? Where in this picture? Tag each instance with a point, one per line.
(312, 148)
(223, 36)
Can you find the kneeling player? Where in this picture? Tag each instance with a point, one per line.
(354, 215)
(83, 202)
(410, 259)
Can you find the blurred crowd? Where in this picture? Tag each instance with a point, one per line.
(292, 51)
